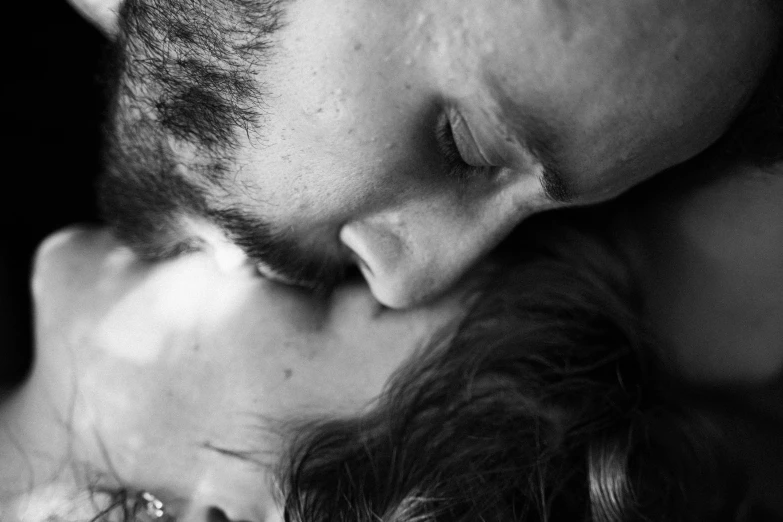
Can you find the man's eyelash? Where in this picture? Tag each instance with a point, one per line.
(458, 169)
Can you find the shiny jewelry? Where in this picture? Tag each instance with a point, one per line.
(151, 508)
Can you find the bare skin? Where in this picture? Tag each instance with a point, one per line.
(181, 378)
(709, 253)
(707, 250)
(178, 377)
(346, 161)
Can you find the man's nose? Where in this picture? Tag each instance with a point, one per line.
(411, 255)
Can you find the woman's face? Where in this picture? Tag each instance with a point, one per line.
(179, 377)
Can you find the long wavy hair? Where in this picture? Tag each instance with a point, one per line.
(548, 403)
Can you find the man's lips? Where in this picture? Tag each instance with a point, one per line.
(270, 273)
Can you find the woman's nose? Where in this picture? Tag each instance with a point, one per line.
(230, 490)
(215, 514)
(224, 513)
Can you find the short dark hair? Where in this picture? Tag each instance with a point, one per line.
(549, 402)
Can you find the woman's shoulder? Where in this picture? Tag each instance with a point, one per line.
(707, 248)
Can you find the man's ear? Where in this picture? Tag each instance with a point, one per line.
(101, 13)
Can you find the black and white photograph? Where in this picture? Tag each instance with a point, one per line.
(392, 261)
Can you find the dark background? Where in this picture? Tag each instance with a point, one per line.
(52, 109)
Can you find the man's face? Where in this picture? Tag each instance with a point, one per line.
(406, 137)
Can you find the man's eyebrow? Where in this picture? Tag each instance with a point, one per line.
(539, 137)
(556, 186)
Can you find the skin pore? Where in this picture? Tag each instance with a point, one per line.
(350, 142)
(181, 378)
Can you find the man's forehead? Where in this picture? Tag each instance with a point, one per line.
(567, 20)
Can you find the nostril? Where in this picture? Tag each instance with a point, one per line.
(215, 514)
